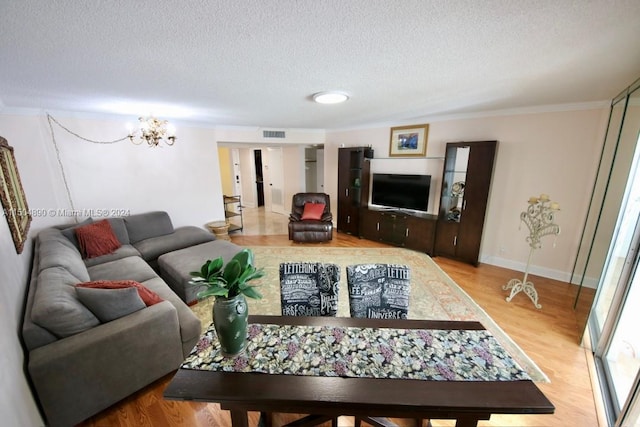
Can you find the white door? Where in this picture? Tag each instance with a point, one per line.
(276, 180)
(320, 170)
(237, 182)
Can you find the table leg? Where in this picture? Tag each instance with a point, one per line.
(239, 418)
(265, 419)
(464, 422)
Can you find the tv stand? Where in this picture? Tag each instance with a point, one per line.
(411, 230)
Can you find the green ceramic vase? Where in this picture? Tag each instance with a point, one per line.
(230, 322)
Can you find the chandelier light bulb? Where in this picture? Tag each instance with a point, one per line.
(153, 131)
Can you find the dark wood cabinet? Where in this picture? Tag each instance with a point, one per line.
(415, 232)
(466, 180)
(353, 186)
(420, 233)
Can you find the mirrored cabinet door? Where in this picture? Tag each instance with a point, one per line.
(453, 183)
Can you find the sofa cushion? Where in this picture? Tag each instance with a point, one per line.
(97, 239)
(56, 306)
(313, 211)
(149, 297)
(117, 225)
(175, 266)
(182, 237)
(147, 225)
(122, 252)
(129, 268)
(55, 250)
(110, 304)
(120, 230)
(70, 232)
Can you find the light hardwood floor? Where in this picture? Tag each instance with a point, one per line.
(549, 336)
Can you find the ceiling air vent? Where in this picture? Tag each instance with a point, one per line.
(273, 134)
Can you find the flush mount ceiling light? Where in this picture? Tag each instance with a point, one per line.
(331, 97)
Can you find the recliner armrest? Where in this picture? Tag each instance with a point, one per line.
(327, 217)
(295, 217)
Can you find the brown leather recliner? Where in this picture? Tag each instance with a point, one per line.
(310, 230)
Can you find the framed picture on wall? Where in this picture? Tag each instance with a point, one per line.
(14, 203)
(409, 141)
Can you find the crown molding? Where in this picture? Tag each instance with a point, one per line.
(539, 109)
(553, 108)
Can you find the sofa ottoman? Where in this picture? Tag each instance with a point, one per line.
(175, 266)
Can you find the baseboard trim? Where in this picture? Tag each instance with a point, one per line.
(562, 276)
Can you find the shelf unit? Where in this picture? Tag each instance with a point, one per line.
(353, 186)
(466, 179)
(233, 209)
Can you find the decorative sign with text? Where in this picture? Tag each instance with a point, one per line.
(309, 288)
(379, 291)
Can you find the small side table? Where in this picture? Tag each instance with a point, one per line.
(220, 229)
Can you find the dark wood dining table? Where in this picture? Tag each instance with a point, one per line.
(465, 401)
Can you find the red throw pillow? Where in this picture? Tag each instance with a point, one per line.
(313, 210)
(148, 296)
(96, 239)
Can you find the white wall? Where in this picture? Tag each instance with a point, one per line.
(183, 180)
(25, 135)
(554, 153)
(294, 174)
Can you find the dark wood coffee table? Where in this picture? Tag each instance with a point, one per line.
(465, 401)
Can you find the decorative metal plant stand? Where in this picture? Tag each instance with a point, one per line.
(539, 219)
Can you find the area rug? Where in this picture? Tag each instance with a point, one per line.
(434, 295)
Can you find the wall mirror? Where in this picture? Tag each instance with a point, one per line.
(14, 203)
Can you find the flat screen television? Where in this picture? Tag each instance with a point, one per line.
(396, 191)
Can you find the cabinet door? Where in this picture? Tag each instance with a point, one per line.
(420, 234)
(479, 171)
(343, 175)
(348, 220)
(369, 224)
(447, 238)
(392, 228)
(454, 180)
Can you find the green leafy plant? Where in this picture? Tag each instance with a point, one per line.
(228, 280)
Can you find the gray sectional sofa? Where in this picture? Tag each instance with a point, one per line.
(80, 365)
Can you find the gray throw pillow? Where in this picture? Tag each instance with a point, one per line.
(110, 304)
(70, 232)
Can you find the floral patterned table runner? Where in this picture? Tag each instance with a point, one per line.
(423, 354)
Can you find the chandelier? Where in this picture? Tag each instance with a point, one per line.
(153, 131)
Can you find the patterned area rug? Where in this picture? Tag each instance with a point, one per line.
(434, 296)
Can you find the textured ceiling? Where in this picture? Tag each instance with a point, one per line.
(256, 63)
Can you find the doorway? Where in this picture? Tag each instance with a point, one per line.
(314, 169)
(614, 318)
(257, 159)
(276, 179)
(610, 250)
